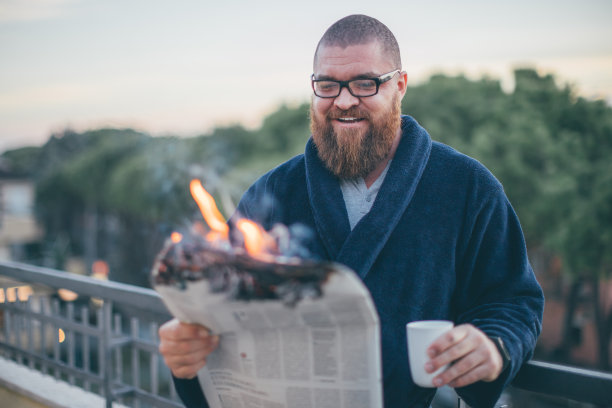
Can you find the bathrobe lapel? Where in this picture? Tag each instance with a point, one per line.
(360, 247)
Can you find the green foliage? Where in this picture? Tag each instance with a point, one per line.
(153, 183)
(20, 162)
(223, 148)
(451, 108)
(88, 173)
(285, 130)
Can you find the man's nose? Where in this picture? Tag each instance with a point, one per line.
(345, 100)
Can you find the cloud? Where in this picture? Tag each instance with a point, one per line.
(33, 10)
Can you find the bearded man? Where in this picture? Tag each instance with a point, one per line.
(429, 230)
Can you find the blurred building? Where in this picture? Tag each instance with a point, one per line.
(569, 330)
(18, 227)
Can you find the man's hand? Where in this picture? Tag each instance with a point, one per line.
(474, 356)
(185, 347)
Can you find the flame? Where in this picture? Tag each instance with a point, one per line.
(61, 336)
(213, 236)
(253, 236)
(256, 240)
(208, 208)
(176, 237)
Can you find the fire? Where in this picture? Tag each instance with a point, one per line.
(176, 237)
(208, 208)
(257, 241)
(253, 237)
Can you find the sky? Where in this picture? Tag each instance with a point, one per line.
(183, 67)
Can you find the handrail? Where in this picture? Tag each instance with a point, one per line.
(96, 332)
(130, 295)
(578, 384)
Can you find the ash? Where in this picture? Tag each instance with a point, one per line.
(232, 271)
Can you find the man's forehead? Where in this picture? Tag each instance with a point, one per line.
(359, 59)
(341, 51)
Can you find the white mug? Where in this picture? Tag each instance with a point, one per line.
(420, 335)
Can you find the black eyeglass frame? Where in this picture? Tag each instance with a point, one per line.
(346, 84)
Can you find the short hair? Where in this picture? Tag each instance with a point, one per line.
(359, 29)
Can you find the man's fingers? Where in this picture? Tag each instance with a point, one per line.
(451, 354)
(185, 347)
(473, 355)
(459, 369)
(179, 347)
(470, 377)
(188, 372)
(177, 330)
(450, 347)
(448, 339)
(180, 360)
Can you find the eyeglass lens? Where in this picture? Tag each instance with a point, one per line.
(357, 87)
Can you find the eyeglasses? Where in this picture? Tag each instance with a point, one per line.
(362, 87)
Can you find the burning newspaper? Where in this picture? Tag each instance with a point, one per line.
(293, 332)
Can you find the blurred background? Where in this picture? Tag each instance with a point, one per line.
(109, 108)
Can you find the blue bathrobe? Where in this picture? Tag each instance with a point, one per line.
(440, 242)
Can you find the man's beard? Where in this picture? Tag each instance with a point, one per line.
(354, 153)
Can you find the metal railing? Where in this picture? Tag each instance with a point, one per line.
(108, 342)
(105, 341)
(566, 382)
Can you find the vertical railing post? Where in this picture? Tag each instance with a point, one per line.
(70, 339)
(154, 361)
(7, 327)
(29, 304)
(55, 311)
(85, 346)
(135, 333)
(17, 321)
(118, 372)
(106, 364)
(43, 330)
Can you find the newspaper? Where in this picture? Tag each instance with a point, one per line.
(321, 352)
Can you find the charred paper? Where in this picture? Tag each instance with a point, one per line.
(232, 271)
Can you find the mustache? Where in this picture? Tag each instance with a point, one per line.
(353, 112)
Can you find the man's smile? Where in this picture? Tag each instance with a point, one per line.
(349, 120)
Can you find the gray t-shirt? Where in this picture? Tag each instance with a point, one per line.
(358, 198)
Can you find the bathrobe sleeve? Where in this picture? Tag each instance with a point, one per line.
(497, 291)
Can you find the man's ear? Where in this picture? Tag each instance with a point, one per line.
(402, 83)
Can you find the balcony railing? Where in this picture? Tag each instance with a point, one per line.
(105, 341)
(110, 341)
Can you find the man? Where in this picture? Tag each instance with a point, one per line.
(429, 230)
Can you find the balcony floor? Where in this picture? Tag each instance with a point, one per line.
(23, 387)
